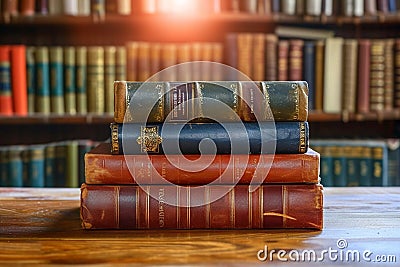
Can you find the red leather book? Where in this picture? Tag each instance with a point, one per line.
(103, 168)
(209, 207)
(19, 79)
(6, 107)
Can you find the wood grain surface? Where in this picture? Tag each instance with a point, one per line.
(42, 227)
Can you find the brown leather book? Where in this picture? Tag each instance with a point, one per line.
(283, 60)
(101, 167)
(377, 76)
(397, 73)
(363, 75)
(296, 59)
(258, 57)
(271, 59)
(245, 50)
(172, 207)
(319, 74)
(389, 73)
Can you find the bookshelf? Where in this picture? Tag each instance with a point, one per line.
(177, 28)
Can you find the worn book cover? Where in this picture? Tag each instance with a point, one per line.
(209, 207)
(101, 167)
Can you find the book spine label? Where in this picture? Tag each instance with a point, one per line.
(170, 207)
(174, 138)
(218, 169)
(248, 101)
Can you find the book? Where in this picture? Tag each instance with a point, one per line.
(95, 80)
(30, 78)
(259, 62)
(109, 77)
(309, 71)
(370, 7)
(70, 80)
(363, 80)
(333, 75)
(319, 74)
(295, 67)
(283, 31)
(56, 60)
(389, 74)
(271, 60)
(120, 64)
(101, 167)
(6, 101)
(229, 138)
(18, 79)
(240, 207)
(81, 79)
(42, 86)
(283, 60)
(313, 7)
(377, 74)
(15, 166)
(349, 85)
(266, 100)
(35, 166)
(397, 73)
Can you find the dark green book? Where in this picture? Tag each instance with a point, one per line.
(326, 164)
(69, 80)
(365, 166)
(339, 166)
(353, 155)
(3, 166)
(50, 165)
(30, 79)
(61, 165)
(72, 157)
(15, 166)
(36, 166)
(202, 101)
(81, 79)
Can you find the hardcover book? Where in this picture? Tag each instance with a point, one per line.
(191, 138)
(240, 207)
(287, 101)
(101, 167)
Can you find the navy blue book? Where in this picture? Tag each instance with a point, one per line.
(309, 71)
(210, 138)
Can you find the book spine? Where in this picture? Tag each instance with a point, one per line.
(244, 57)
(309, 71)
(132, 207)
(218, 70)
(95, 80)
(378, 169)
(55, 7)
(326, 160)
(98, 10)
(41, 7)
(364, 52)
(30, 78)
(288, 7)
(42, 93)
(377, 73)
(283, 60)
(84, 7)
(349, 75)
(365, 167)
(4, 177)
(174, 138)
(18, 79)
(56, 80)
(314, 7)
(60, 165)
(333, 75)
(124, 7)
(359, 8)
(70, 80)
(36, 171)
(72, 164)
(389, 74)
(70, 7)
(370, 7)
(120, 64)
(328, 9)
(287, 101)
(271, 59)
(9, 10)
(15, 166)
(296, 59)
(319, 74)
(143, 61)
(353, 155)
(217, 169)
(109, 77)
(155, 58)
(168, 59)
(248, 6)
(50, 166)
(6, 101)
(27, 7)
(81, 80)
(397, 73)
(347, 8)
(339, 166)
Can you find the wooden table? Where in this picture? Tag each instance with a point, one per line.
(42, 227)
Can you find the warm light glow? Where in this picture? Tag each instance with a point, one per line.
(179, 6)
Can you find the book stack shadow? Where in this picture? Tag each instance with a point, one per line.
(205, 155)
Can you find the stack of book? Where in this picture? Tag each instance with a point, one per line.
(198, 155)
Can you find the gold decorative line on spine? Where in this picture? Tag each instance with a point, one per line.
(208, 206)
(160, 106)
(117, 192)
(188, 206)
(261, 194)
(178, 210)
(233, 210)
(236, 91)
(285, 202)
(250, 205)
(148, 206)
(114, 139)
(137, 207)
(127, 114)
(296, 88)
(302, 140)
